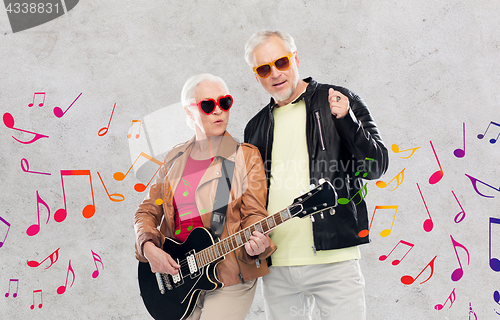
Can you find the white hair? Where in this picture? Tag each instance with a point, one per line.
(261, 37)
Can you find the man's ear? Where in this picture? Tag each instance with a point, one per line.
(297, 61)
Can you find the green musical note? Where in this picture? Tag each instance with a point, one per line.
(362, 192)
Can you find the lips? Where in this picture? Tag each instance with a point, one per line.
(218, 121)
(279, 84)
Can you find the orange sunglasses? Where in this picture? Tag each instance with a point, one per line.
(281, 64)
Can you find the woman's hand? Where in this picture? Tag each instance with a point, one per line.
(257, 244)
(159, 260)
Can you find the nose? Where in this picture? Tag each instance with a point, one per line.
(275, 72)
(217, 110)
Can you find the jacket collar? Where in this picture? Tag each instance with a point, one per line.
(311, 88)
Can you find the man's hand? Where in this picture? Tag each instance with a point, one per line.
(159, 260)
(257, 244)
(339, 104)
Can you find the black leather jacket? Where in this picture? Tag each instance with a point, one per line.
(338, 149)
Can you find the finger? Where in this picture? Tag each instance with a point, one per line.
(172, 262)
(249, 250)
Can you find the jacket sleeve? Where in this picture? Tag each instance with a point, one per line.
(360, 136)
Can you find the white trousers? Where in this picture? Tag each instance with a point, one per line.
(325, 291)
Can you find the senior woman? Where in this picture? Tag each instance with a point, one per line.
(184, 197)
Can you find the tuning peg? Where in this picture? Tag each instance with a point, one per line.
(321, 181)
(312, 186)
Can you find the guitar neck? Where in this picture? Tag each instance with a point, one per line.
(233, 242)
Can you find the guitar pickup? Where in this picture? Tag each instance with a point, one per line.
(178, 279)
(194, 271)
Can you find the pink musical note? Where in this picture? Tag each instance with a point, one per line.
(137, 135)
(8, 120)
(26, 167)
(35, 228)
(53, 259)
(62, 289)
(33, 103)
(436, 176)
(409, 279)
(7, 233)
(461, 213)
(460, 153)
(104, 130)
(97, 258)
(396, 262)
(395, 149)
(41, 299)
(451, 298)
(121, 197)
(58, 111)
(139, 187)
(428, 224)
(471, 312)
(494, 262)
(384, 233)
(89, 210)
(382, 184)
(474, 182)
(14, 295)
(459, 272)
(481, 135)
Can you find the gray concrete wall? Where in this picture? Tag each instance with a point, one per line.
(425, 68)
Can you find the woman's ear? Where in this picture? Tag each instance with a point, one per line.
(188, 112)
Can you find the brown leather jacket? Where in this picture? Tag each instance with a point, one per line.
(247, 204)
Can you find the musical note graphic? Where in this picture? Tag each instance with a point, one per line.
(89, 210)
(169, 193)
(428, 224)
(496, 297)
(58, 111)
(461, 213)
(53, 259)
(35, 228)
(120, 197)
(383, 233)
(471, 312)
(395, 149)
(177, 232)
(97, 258)
(6, 233)
(41, 299)
(396, 262)
(186, 186)
(8, 120)
(362, 193)
(62, 289)
(460, 153)
(494, 262)
(409, 279)
(382, 184)
(363, 168)
(451, 298)
(137, 135)
(104, 130)
(474, 182)
(481, 135)
(459, 272)
(438, 175)
(139, 187)
(26, 167)
(14, 295)
(33, 103)
(202, 211)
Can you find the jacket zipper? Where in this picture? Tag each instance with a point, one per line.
(320, 131)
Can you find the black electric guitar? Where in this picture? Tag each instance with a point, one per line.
(170, 297)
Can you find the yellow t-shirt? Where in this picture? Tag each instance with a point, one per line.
(290, 179)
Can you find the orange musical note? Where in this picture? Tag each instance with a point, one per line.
(461, 213)
(8, 120)
(396, 262)
(384, 233)
(460, 153)
(97, 258)
(41, 299)
(35, 228)
(459, 272)
(121, 197)
(409, 279)
(104, 130)
(26, 167)
(362, 193)
(58, 111)
(494, 262)
(7, 233)
(169, 192)
(451, 298)
(89, 210)
(17, 289)
(382, 184)
(481, 135)
(474, 182)
(139, 187)
(62, 289)
(428, 223)
(33, 103)
(363, 168)
(53, 259)
(438, 175)
(395, 149)
(137, 135)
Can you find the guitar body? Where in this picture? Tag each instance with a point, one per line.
(178, 302)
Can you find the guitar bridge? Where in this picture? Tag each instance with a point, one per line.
(194, 271)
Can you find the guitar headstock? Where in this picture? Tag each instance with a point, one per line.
(320, 198)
